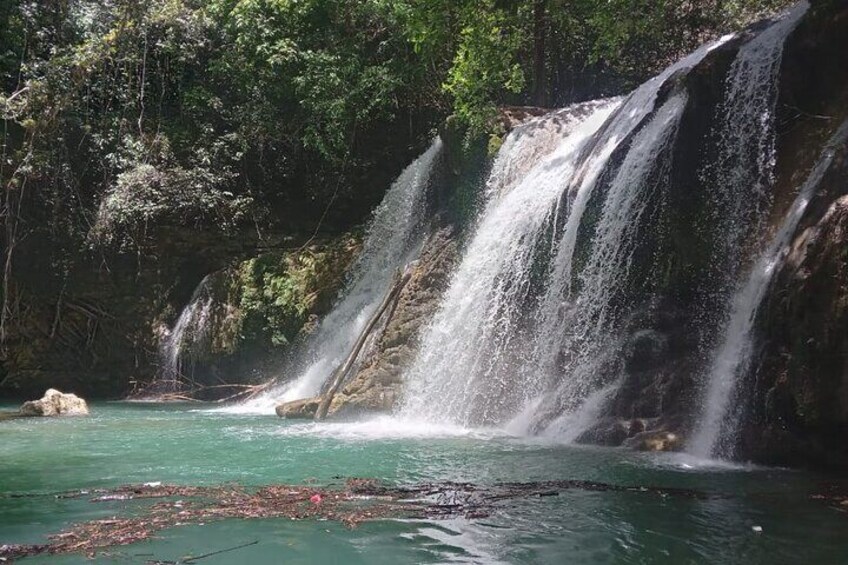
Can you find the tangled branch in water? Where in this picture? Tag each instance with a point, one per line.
(355, 501)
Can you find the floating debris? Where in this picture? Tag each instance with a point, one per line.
(351, 503)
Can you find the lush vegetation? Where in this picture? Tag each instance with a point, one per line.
(285, 117)
(125, 112)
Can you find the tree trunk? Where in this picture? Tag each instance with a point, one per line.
(398, 282)
(540, 93)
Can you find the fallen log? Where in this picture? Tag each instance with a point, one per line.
(339, 376)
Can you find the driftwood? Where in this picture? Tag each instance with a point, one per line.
(190, 394)
(354, 501)
(339, 376)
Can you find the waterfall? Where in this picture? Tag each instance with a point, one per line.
(741, 176)
(527, 144)
(731, 362)
(393, 236)
(472, 366)
(454, 376)
(557, 307)
(188, 336)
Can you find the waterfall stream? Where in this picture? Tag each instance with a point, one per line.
(393, 236)
(189, 335)
(482, 361)
(591, 322)
(458, 372)
(742, 177)
(719, 422)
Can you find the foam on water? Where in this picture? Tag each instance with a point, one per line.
(386, 428)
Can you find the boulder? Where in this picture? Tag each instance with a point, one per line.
(655, 441)
(55, 403)
(303, 409)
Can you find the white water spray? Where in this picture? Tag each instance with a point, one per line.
(742, 173)
(457, 375)
(394, 233)
(594, 311)
(189, 335)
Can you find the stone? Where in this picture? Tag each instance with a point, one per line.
(303, 409)
(55, 403)
(655, 441)
(645, 349)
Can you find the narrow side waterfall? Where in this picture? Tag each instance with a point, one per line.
(458, 375)
(189, 334)
(393, 236)
(717, 430)
(742, 175)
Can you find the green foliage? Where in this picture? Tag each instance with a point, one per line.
(485, 65)
(178, 108)
(277, 293)
(487, 49)
(120, 113)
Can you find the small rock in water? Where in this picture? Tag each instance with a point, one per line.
(298, 409)
(55, 403)
(758, 529)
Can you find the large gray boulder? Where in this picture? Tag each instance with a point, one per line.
(55, 403)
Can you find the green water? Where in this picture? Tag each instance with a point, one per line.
(122, 443)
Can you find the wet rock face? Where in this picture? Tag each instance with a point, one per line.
(799, 415)
(377, 384)
(797, 411)
(55, 403)
(655, 441)
(796, 394)
(645, 349)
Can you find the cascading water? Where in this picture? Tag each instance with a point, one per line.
(393, 235)
(454, 376)
(189, 334)
(468, 367)
(743, 172)
(595, 313)
(526, 145)
(742, 176)
(717, 430)
(559, 304)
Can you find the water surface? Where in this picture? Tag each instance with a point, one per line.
(134, 443)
